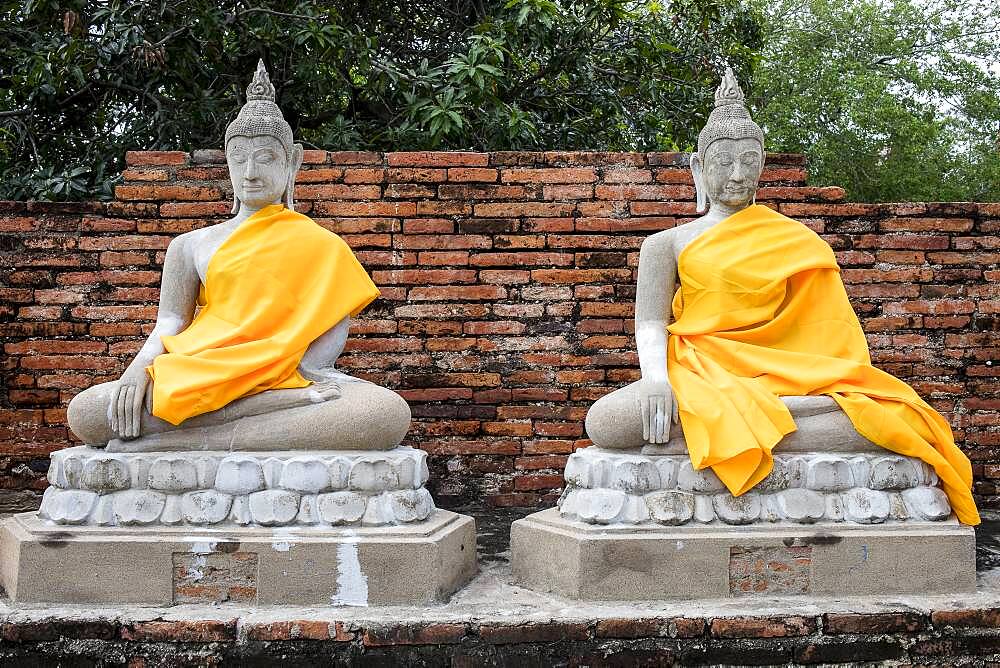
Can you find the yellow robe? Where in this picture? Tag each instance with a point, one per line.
(276, 284)
(762, 313)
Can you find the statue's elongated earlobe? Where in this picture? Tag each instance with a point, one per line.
(236, 204)
(295, 162)
(699, 185)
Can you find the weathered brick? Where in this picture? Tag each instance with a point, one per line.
(967, 618)
(415, 634)
(874, 622)
(437, 159)
(299, 629)
(762, 627)
(180, 631)
(56, 628)
(529, 633)
(144, 158)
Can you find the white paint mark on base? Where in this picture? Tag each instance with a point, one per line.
(281, 546)
(352, 584)
(203, 547)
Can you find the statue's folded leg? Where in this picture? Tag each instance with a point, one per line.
(615, 420)
(365, 417)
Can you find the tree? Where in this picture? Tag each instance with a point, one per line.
(894, 100)
(82, 81)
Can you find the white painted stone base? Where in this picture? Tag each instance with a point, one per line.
(318, 489)
(866, 487)
(411, 564)
(585, 561)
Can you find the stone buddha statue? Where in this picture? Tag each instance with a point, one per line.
(253, 314)
(760, 453)
(232, 461)
(747, 342)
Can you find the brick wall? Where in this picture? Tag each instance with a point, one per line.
(507, 285)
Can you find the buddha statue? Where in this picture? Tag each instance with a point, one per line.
(253, 314)
(747, 342)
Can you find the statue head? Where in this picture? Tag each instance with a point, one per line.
(262, 157)
(730, 154)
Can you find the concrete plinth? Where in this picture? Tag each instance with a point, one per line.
(585, 561)
(418, 563)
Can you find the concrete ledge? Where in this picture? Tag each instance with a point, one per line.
(417, 563)
(590, 562)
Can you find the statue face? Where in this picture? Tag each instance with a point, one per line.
(731, 171)
(258, 169)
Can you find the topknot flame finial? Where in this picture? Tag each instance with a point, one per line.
(260, 88)
(729, 91)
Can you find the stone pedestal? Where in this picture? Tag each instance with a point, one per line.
(647, 526)
(305, 528)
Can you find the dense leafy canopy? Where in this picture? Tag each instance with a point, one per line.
(892, 99)
(82, 81)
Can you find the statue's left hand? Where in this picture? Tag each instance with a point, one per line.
(325, 385)
(326, 390)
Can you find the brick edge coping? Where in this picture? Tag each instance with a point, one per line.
(820, 637)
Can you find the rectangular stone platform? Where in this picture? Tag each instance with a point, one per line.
(417, 563)
(626, 562)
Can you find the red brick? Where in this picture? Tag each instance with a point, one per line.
(54, 629)
(443, 241)
(517, 209)
(424, 276)
(180, 631)
(762, 627)
(528, 483)
(581, 275)
(415, 634)
(437, 159)
(144, 158)
(354, 158)
(557, 175)
(19, 224)
(364, 175)
(312, 157)
(443, 258)
(507, 428)
(967, 618)
(473, 174)
(874, 622)
(337, 191)
(195, 209)
(641, 192)
(471, 292)
(166, 193)
(390, 209)
(533, 633)
(300, 629)
(48, 347)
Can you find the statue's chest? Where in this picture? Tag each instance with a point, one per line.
(206, 249)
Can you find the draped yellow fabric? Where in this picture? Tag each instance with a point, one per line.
(275, 285)
(762, 313)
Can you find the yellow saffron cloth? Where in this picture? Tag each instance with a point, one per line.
(276, 284)
(762, 313)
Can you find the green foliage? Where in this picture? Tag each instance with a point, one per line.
(894, 100)
(82, 81)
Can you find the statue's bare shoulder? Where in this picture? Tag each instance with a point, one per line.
(660, 243)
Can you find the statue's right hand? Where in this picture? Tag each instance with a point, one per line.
(656, 406)
(125, 407)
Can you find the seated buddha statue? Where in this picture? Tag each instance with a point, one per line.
(745, 336)
(253, 314)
